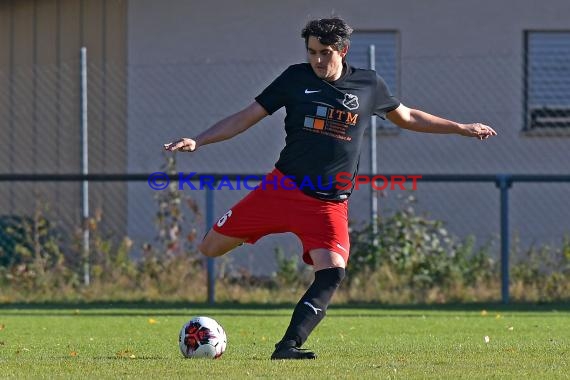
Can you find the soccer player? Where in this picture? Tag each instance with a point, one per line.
(328, 105)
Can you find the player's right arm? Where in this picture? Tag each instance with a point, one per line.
(223, 130)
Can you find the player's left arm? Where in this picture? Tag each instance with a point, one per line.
(420, 121)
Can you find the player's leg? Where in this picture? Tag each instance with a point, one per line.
(215, 244)
(325, 259)
(323, 230)
(329, 269)
(251, 218)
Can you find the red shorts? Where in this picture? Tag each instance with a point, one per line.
(277, 209)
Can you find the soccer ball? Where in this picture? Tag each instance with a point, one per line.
(202, 337)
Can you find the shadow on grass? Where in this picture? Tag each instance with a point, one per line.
(234, 306)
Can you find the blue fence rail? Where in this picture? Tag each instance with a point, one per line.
(502, 181)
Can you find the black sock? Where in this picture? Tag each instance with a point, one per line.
(312, 307)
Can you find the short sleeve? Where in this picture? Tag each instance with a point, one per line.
(275, 95)
(385, 101)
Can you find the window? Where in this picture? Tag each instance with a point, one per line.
(386, 60)
(547, 92)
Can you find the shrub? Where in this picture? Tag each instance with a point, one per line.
(419, 249)
(412, 259)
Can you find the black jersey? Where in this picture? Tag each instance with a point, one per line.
(325, 124)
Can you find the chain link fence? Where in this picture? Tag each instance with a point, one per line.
(133, 110)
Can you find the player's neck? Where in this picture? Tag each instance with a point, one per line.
(339, 74)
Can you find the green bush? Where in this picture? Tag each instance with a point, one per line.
(22, 236)
(541, 272)
(420, 249)
(412, 259)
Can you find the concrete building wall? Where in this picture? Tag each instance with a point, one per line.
(192, 63)
(40, 129)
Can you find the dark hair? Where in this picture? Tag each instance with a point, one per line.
(329, 31)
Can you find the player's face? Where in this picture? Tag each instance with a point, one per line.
(324, 59)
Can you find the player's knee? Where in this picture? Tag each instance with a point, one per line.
(215, 248)
(330, 277)
(207, 249)
(337, 275)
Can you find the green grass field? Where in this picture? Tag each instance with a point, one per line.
(94, 341)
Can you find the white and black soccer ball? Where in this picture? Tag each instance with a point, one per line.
(202, 337)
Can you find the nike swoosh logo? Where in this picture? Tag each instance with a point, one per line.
(307, 91)
(341, 247)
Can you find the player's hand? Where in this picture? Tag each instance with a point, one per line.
(481, 131)
(181, 145)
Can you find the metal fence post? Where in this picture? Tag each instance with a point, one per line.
(210, 261)
(504, 182)
(373, 158)
(85, 167)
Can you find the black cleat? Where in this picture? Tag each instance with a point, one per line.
(288, 350)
